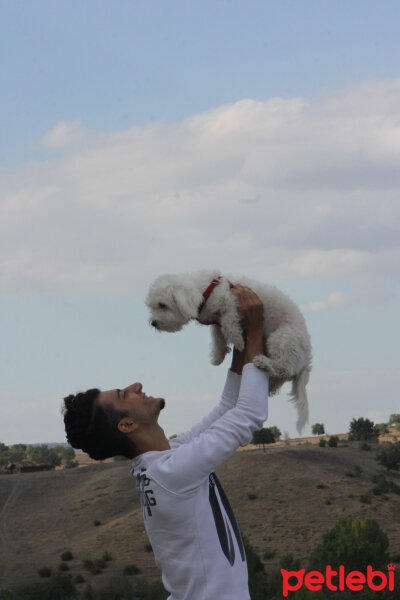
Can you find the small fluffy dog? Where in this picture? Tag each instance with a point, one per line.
(205, 296)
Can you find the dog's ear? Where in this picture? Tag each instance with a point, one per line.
(187, 301)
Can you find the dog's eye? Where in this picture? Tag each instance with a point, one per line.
(161, 305)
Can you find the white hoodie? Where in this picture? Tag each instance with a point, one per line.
(187, 516)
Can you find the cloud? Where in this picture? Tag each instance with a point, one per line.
(292, 189)
(366, 296)
(334, 300)
(64, 134)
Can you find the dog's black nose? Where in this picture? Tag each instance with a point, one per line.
(154, 323)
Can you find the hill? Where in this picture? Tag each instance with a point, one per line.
(284, 499)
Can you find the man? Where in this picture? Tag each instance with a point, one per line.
(189, 521)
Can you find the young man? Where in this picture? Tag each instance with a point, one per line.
(188, 518)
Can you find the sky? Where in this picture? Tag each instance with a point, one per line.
(258, 138)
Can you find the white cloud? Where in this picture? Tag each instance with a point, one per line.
(281, 189)
(64, 134)
(334, 300)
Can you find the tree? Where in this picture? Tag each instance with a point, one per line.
(44, 454)
(264, 436)
(275, 432)
(66, 453)
(352, 543)
(362, 429)
(389, 456)
(17, 452)
(394, 419)
(257, 575)
(318, 429)
(382, 428)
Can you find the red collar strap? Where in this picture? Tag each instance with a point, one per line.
(207, 293)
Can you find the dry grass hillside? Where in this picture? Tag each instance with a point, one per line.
(284, 498)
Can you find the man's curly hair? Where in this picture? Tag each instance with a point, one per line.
(94, 428)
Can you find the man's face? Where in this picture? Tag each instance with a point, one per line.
(132, 400)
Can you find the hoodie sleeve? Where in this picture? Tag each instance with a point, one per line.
(228, 400)
(184, 468)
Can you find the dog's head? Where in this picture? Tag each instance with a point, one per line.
(173, 300)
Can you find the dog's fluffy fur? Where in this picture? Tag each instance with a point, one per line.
(175, 299)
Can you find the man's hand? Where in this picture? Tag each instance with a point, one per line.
(251, 312)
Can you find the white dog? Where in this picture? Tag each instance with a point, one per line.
(205, 296)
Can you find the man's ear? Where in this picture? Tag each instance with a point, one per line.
(127, 425)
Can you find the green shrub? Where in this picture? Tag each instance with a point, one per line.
(67, 555)
(354, 544)
(95, 566)
(322, 442)
(381, 484)
(333, 441)
(57, 587)
(131, 570)
(289, 563)
(96, 522)
(365, 498)
(362, 429)
(395, 558)
(355, 473)
(107, 556)
(364, 446)
(44, 572)
(389, 456)
(321, 486)
(257, 575)
(63, 566)
(79, 579)
(394, 487)
(251, 495)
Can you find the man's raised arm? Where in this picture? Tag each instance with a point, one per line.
(228, 400)
(185, 468)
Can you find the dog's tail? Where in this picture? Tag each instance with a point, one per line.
(299, 397)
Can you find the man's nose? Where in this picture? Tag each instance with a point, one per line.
(135, 387)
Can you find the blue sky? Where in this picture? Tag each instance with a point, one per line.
(260, 138)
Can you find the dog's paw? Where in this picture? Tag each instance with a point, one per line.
(239, 345)
(263, 362)
(218, 357)
(217, 361)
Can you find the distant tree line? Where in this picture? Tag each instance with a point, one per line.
(55, 456)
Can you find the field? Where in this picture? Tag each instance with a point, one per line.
(284, 498)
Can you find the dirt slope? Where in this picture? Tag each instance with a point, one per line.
(42, 514)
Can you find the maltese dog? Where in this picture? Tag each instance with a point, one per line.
(174, 300)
